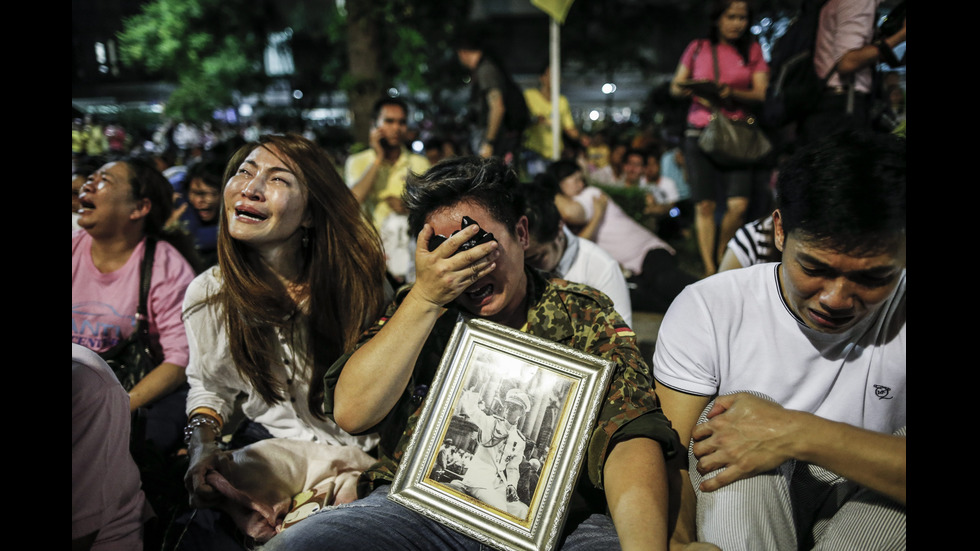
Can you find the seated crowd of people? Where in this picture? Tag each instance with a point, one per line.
(275, 318)
(296, 362)
(260, 328)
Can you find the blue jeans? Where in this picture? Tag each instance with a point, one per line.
(377, 524)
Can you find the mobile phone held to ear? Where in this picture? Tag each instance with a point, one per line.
(478, 239)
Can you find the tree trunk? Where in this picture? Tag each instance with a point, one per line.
(364, 56)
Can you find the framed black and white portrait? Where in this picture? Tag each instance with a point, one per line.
(503, 436)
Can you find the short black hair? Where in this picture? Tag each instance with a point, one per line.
(846, 192)
(387, 100)
(488, 182)
(559, 170)
(471, 36)
(434, 142)
(209, 170)
(537, 203)
(643, 153)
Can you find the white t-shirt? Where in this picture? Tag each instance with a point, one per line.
(105, 482)
(664, 191)
(584, 262)
(216, 383)
(733, 332)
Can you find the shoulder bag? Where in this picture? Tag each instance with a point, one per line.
(732, 142)
(132, 358)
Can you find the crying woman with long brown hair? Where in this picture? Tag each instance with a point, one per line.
(300, 271)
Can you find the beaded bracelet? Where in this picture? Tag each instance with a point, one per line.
(201, 420)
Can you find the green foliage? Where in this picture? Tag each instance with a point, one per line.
(210, 47)
(631, 200)
(213, 48)
(422, 56)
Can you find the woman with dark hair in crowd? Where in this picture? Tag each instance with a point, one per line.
(732, 58)
(123, 208)
(300, 270)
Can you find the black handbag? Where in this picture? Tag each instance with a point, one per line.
(732, 142)
(132, 358)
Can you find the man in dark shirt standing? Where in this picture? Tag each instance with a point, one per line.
(499, 104)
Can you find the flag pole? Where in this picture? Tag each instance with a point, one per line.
(555, 61)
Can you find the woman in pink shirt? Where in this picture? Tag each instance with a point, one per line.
(123, 207)
(732, 58)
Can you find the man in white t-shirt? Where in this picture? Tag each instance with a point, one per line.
(815, 455)
(555, 250)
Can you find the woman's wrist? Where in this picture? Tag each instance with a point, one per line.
(203, 421)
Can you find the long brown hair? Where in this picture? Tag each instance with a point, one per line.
(342, 262)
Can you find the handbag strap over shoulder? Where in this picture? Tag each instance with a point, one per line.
(141, 334)
(714, 60)
(715, 109)
(146, 274)
(694, 57)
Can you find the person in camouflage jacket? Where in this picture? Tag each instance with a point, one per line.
(568, 313)
(382, 385)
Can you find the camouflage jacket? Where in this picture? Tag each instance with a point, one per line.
(568, 313)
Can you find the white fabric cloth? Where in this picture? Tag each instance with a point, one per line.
(584, 262)
(796, 502)
(664, 191)
(215, 382)
(260, 505)
(105, 483)
(733, 332)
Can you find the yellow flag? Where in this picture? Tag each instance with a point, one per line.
(557, 9)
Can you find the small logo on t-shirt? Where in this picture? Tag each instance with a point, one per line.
(882, 392)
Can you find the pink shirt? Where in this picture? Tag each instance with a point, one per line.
(844, 26)
(105, 482)
(103, 306)
(619, 235)
(732, 70)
